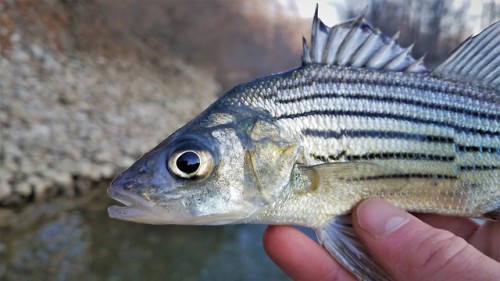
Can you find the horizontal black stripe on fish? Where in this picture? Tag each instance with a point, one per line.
(478, 168)
(406, 101)
(402, 155)
(402, 176)
(403, 81)
(480, 149)
(385, 156)
(389, 116)
(327, 134)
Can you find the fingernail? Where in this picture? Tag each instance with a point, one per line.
(379, 218)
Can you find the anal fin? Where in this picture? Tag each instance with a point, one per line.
(338, 237)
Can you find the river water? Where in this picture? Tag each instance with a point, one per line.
(73, 239)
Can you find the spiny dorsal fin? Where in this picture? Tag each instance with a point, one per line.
(356, 44)
(477, 59)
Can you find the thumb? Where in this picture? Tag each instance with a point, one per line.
(409, 249)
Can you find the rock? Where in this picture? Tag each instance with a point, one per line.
(41, 188)
(5, 189)
(103, 156)
(107, 171)
(125, 162)
(67, 97)
(82, 185)
(37, 51)
(59, 178)
(20, 56)
(15, 38)
(23, 189)
(50, 64)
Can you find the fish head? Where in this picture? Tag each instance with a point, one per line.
(220, 168)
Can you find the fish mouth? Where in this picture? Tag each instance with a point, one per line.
(126, 198)
(135, 207)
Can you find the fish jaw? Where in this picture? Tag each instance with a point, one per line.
(135, 208)
(171, 209)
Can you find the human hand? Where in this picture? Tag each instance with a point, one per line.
(429, 247)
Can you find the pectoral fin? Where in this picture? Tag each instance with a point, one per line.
(351, 175)
(338, 237)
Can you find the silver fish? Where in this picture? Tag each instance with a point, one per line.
(359, 118)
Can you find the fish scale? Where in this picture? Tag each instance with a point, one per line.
(462, 117)
(359, 118)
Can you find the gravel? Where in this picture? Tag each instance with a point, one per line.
(71, 121)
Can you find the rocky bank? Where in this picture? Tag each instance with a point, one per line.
(72, 119)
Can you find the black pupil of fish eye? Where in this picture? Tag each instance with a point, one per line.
(188, 162)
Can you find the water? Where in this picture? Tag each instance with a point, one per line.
(73, 239)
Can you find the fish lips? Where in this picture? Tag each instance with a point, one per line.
(135, 207)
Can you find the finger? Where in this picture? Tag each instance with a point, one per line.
(301, 257)
(411, 250)
(462, 227)
(482, 237)
(487, 240)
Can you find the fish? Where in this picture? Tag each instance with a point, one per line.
(359, 118)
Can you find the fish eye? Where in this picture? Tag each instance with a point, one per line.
(190, 163)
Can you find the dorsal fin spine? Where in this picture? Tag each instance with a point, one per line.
(356, 44)
(329, 41)
(398, 62)
(417, 66)
(337, 34)
(363, 54)
(380, 58)
(305, 54)
(350, 45)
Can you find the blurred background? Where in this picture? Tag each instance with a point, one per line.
(88, 86)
